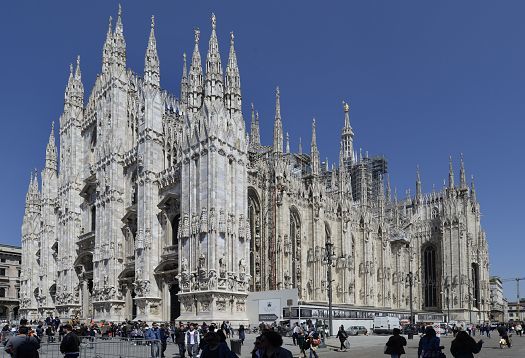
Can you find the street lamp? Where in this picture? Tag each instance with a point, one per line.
(329, 261)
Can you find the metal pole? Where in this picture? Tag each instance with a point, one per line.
(518, 296)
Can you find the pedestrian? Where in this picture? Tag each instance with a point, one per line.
(180, 339)
(315, 341)
(464, 346)
(22, 345)
(70, 345)
(395, 345)
(153, 336)
(213, 348)
(295, 333)
(429, 344)
(242, 334)
(50, 334)
(272, 342)
(342, 335)
(257, 351)
(502, 330)
(163, 335)
(192, 341)
(302, 342)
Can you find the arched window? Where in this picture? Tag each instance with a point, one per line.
(93, 218)
(254, 218)
(295, 237)
(175, 229)
(430, 278)
(2, 292)
(475, 285)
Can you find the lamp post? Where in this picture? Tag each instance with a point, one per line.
(328, 259)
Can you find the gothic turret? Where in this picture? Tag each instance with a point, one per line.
(278, 125)
(51, 150)
(473, 197)
(107, 51)
(419, 192)
(255, 137)
(195, 81)
(347, 136)
(151, 61)
(450, 174)
(314, 152)
(119, 43)
(184, 82)
(74, 94)
(462, 179)
(214, 82)
(388, 191)
(232, 97)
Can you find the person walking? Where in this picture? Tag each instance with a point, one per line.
(70, 345)
(429, 344)
(180, 339)
(192, 341)
(302, 343)
(464, 346)
(295, 333)
(502, 330)
(22, 345)
(153, 335)
(242, 334)
(343, 336)
(315, 341)
(396, 344)
(163, 335)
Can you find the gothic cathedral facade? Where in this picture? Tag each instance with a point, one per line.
(161, 208)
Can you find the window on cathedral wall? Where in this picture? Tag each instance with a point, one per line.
(175, 229)
(2, 292)
(93, 217)
(430, 285)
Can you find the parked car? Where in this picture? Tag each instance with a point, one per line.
(356, 330)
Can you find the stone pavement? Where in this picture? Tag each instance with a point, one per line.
(372, 346)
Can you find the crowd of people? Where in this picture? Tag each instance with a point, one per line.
(209, 341)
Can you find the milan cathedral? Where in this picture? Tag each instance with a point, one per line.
(162, 208)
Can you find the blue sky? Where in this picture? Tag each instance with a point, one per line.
(425, 80)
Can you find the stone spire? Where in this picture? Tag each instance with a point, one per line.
(214, 82)
(287, 143)
(314, 155)
(388, 191)
(184, 82)
(255, 138)
(195, 80)
(300, 146)
(450, 174)
(119, 43)
(74, 94)
(462, 178)
(473, 196)
(278, 125)
(233, 96)
(151, 60)
(419, 192)
(51, 150)
(347, 136)
(381, 194)
(107, 51)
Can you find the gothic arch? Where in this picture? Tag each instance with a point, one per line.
(431, 284)
(255, 220)
(295, 238)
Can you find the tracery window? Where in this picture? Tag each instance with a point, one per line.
(430, 270)
(295, 237)
(475, 285)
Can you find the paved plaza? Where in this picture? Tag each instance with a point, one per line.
(372, 346)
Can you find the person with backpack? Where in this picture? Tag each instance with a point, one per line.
(342, 335)
(395, 345)
(429, 344)
(22, 345)
(153, 335)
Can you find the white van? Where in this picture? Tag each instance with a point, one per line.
(385, 324)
